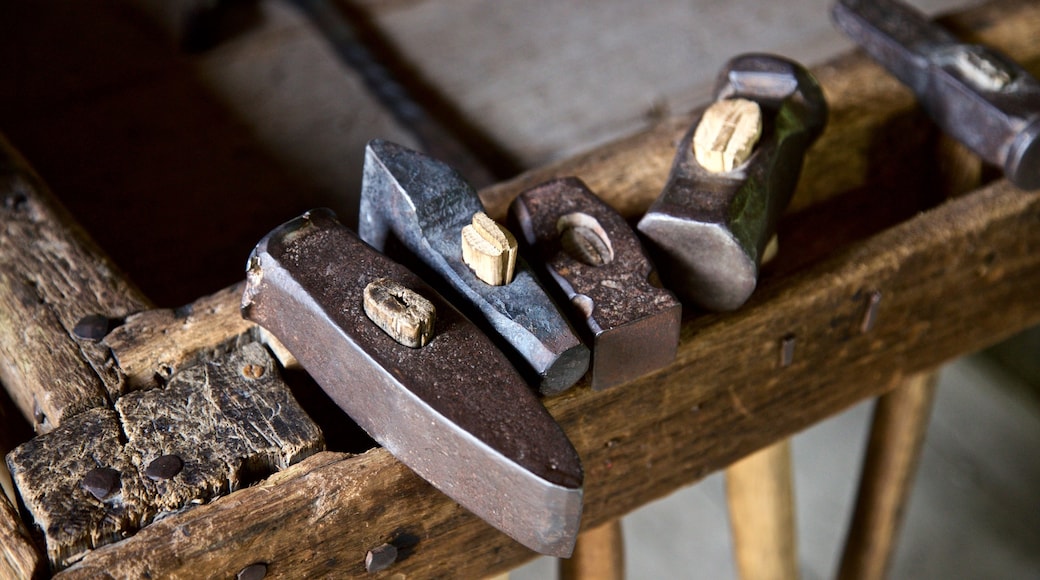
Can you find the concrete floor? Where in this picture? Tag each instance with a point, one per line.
(974, 511)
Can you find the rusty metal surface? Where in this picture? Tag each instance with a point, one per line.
(632, 325)
(976, 94)
(423, 204)
(455, 410)
(707, 231)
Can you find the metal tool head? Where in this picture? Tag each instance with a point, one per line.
(706, 230)
(596, 262)
(977, 95)
(455, 411)
(424, 204)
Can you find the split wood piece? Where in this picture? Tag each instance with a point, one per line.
(153, 345)
(598, 555)
(216, 427)
(726, 134)
(52, 276)
(896, 439)
(730, 411)
(19, 557)
(761, 507)
(50, 470)
(489, 250)
(402, 313)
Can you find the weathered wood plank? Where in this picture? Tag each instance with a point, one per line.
(228, 422)
(154, 344)
(51, 277)
(50, 471)
(218, 426)
(725, 397)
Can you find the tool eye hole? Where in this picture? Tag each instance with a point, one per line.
(584, 239)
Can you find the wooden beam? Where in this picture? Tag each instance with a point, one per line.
(51, 277)
(726, 395)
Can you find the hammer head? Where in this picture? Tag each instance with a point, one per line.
(979, 96)
(594, 260)
(423, 205)
(453, 409)
(706, 230)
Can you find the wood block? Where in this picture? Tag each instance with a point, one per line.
(214, 428)
(229, 422)
(154, 344)
(49, 471)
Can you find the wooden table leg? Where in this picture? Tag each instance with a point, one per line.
(896, 438)
(761, 507)
(598, 555)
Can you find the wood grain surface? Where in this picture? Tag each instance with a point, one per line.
(865, 221)
(51, 276)
(937, 270)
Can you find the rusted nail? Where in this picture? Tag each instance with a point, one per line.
(380, 558)
(400, 311)
(100, 482)
(787, 350)
(164, 467)
(252, 371)
(92, 327)
(252, 572)
(39, 417)
(870, 314)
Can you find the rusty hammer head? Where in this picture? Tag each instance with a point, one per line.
(591, 257)
(419, 377)
(425, 205)
(709, 227)
(977, 95)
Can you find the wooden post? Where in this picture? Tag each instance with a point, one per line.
(900, 422)
(761, 508)
(896, 438)
(598, 555)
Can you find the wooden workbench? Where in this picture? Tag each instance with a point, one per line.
(867, 219)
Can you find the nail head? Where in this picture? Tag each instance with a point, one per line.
(380, 558)
(252, 572)
(91, 327)
(101, 482)
(164, 467)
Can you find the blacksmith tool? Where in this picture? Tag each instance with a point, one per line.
(977, 95)
(593, 258)
(446, 403)
(424, 205)
(732, 177)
